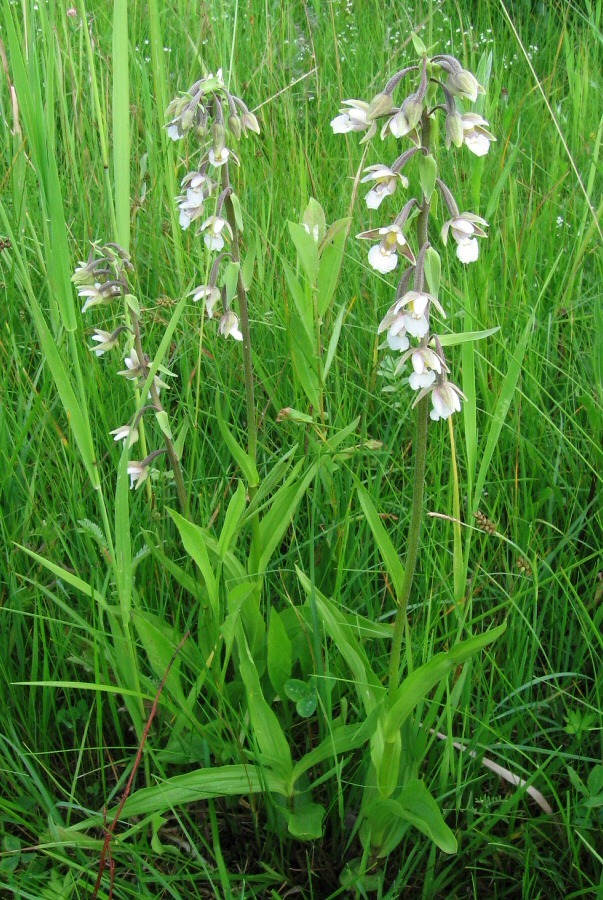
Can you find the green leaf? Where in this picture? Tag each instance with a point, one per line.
(420, 48)
(333, 343)
(433, 270)
(341, 740)
(236, 208)
(416, 805)
(279, 653)
(271, 740)
(305, 824)
(314, 220)
(133, 304)
(385, 756)
(160, 641)
(304, 361)
(232, 519)
(464, 337)
(428, 173)
(306, 707)
(297, 690)
(275, 523)
(334, 440)
(330, 267)
(179, 445)
(500, 412)
(195, 541)
(418, 684)
(247, 267)
(164, 423)
(307, 250)
(242, 459)
(303, 303)
(191, 787)
(231, 279)
(388, 552)
(368, 685)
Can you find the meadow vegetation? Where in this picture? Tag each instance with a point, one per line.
(243, 631)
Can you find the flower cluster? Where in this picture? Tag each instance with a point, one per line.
(440, 86)
(99, 280)
(208, 112)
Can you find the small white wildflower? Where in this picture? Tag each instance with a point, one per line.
(212, 230)
(209, 293)
(219, 158)
(106, 340)
(426, 363)
(138, 473)
(353, 119)
(384, 256)
(134, 368)
(98, 294)
(475, 136)
(229, 325)
(465, 228)
(446, 399)
(125, 433)
(385, 183)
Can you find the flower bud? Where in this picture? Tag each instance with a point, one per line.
(250, 123)
(464, 84)
(234, 124)
(380, 105)
(454, 130)
(186, 120)
(218, 138)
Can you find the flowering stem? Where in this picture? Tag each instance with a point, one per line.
(416, 516)
(244, 321)
(169, 446)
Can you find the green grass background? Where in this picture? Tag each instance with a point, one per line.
(85, 157)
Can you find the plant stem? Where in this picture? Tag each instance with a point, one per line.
(416, 516)
(244, 321)
(169, 446)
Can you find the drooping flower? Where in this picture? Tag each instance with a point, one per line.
(408, 315)
(106, 340)
(353, 119)
(99, 294)
(446, 400)
(465, 228)
(475, 136)
(126, 433)
(426, 363)
(219, 157)
(198, 187)
(213, 230)
(138, 473)
(406, 120)
(385, 183)
(229, 325)
(209, 293)
(135, 369)
(384, 256)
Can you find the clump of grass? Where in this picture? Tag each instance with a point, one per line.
(533, 702)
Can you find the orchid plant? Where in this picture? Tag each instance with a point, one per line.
(436, 86)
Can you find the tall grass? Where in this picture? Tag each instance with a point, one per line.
(85, 157)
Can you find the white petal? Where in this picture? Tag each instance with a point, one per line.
(418, 381)
(398, 341)
(467, 251)
(374, 199)
(381, 260)
(477, 143)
